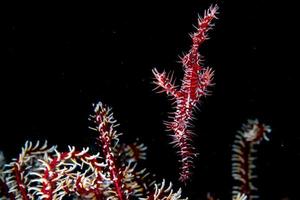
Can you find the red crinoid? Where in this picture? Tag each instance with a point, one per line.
(42, 172)
(195, 83)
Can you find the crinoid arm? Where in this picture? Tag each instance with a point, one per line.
(244, 150)
(240, 196)
(165, 192)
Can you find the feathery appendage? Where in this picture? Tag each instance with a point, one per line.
(42, 172)
(163, 192)
(19, 172)
(195, 85)
(244, 155)
(108, 137)
(240, 196)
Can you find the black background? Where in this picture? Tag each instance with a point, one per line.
(62, 58)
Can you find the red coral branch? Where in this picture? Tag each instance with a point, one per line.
(194, 85)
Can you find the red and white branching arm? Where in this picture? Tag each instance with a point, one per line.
(195, 83)
(41, 172)
(105, 126)
(243, 158)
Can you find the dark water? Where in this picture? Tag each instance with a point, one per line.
(63, 58)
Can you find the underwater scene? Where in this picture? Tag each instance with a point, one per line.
(147, 100)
